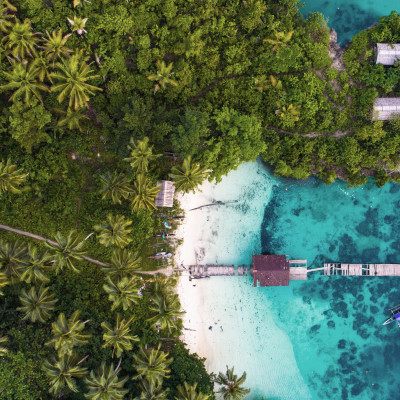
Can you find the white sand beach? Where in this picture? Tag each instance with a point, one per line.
(218, 324)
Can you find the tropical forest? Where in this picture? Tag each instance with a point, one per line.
(102, 100)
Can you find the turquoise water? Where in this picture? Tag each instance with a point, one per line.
(349, 17)
(318, 339)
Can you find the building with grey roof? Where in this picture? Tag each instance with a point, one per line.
(386, 108)
(387, 54)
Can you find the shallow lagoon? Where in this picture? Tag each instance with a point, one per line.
(320, 339)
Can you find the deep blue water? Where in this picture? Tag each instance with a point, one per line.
(352, 16)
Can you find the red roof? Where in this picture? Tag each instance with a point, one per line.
(270, 270)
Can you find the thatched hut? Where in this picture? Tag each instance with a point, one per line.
(165, 197)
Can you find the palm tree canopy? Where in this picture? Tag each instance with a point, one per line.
(115, 186)
(167, 311)
(68, 250)
(63, 371)
(231, 386)
(7, 16)
(23, 79)
(34, 266)
(123, 292)
(141, 154)
(119, 337)
(162, 285)
(78, 25)
(188, 392)
(11, 177)
(71, 118)
(152, 365)
(37, 305)
(114, 232)
(144, 194)
(12, 257)
(188, 176)
(67, 334)
(151, 391)
(105, 385)
(21, 41)
(124, 264)
(4, 281)
(54, 45)
(3, 350)
(162, 76)
(72, 76)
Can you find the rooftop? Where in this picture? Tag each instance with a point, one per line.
(386, 108)
(387, 54)
(165, 197)
(270, 270)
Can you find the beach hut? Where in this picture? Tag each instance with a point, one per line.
(165, 197)
(270, 270)
(386, 108)
(387, 54)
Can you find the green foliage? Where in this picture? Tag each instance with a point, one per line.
(187, 177)
(143, 194)
(21, 379)
(122, 292)
(114, 232)
(231, 386)
(11, 177)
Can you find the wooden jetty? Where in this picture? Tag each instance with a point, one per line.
(360, 269)
(277, 270)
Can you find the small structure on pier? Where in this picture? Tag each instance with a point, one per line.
(270, 270)
(165, 197)
(386, 108)
(387, 54)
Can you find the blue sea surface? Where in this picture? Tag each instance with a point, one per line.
(349, 17)
(335, 323)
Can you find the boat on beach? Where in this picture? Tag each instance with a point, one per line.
(395, 315)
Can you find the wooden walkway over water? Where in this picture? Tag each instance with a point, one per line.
(360, 269)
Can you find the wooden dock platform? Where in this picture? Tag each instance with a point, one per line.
(360, 269)
(204, 271)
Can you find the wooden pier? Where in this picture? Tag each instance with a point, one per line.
(276, 270)
(360, 269)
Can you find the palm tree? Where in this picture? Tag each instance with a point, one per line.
(231, 386)
(280, 39)
(162, 76)
(114, 232)
(115, 186)
(292, 110)
(54, 47)
(23, 79)
(162, 285)
(67, 334)
(37, 306)
(78, 25)
(3, 350)
(141, 154)
(167, 311)
(261, 83)
(77, 3)
(123, 264)
(34, 266)
(21, 41)
(73, 74)
(11, 177)
(152, 365)
(188, 392)
(7, 16)
(71, 118)
(12, 257)
(144, 194)
(188, 176)
(119, 337)
(41, 67)
(63, 371)
(4, 281)
(151, 391)
(123, 292)
(105, 385)
(67, 251)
